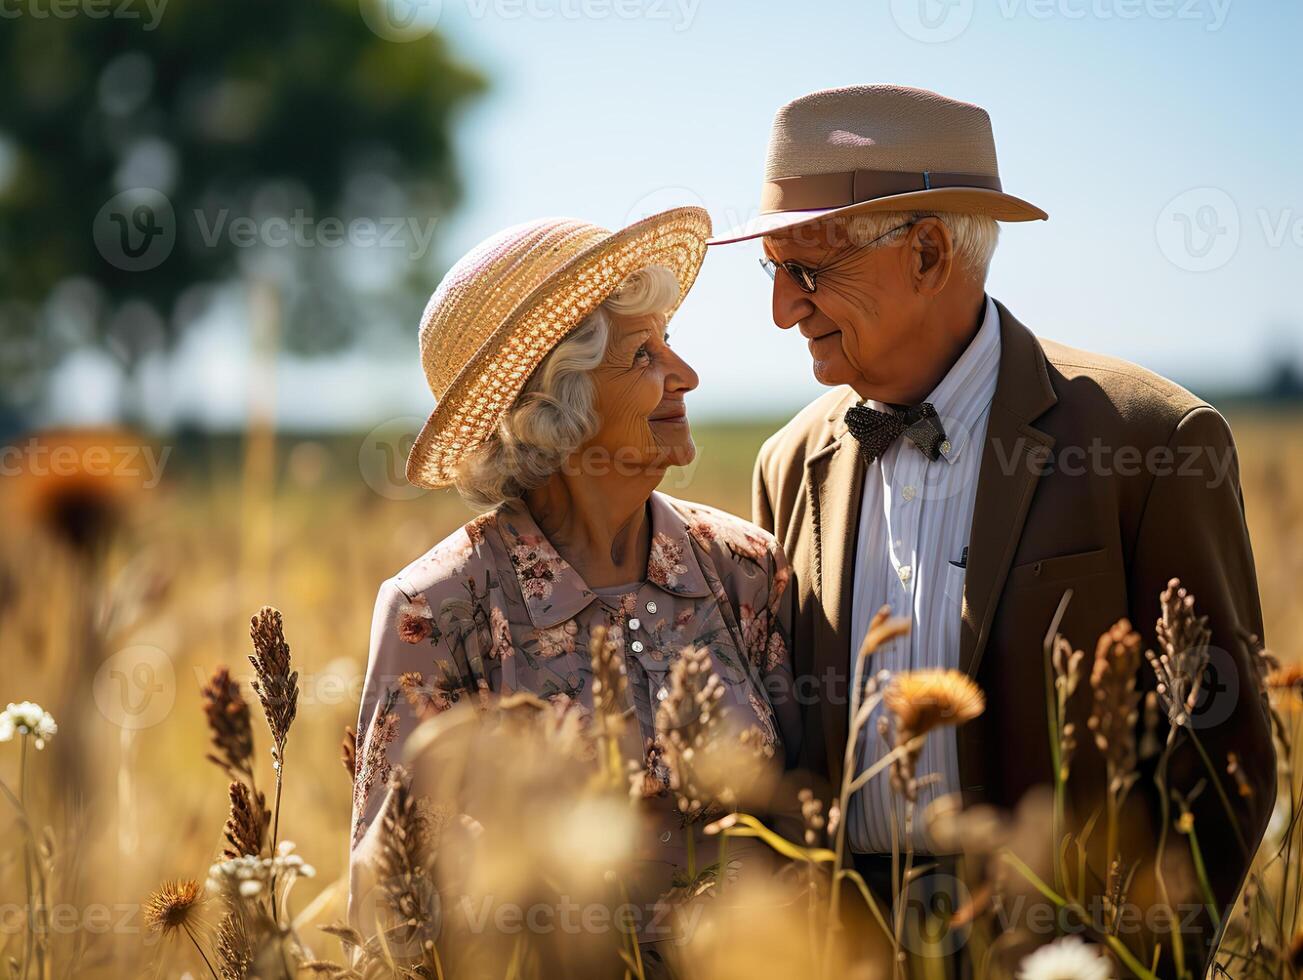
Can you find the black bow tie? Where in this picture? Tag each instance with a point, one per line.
(876, 431)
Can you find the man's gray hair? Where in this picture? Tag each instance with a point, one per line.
(555, 413)
(975, 235)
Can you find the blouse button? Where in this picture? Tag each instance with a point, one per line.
(636, 646)
(662, 694)
(634, 623)
(665, 837)
(651, 608)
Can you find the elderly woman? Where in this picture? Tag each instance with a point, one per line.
(561, 405)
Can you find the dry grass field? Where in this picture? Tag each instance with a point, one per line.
(117, 602)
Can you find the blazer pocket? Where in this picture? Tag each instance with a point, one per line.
(1061, 568)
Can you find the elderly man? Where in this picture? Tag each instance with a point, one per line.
(967, 473)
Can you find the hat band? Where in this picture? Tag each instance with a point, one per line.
(809, 192)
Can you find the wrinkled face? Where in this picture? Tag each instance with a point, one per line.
(640, 398)
(860, 321)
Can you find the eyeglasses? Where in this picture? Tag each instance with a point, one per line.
(806, 277)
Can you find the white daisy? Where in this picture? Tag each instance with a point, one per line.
(1069, 958)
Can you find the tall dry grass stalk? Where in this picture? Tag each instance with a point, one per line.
(1114, 715)
(277, 687)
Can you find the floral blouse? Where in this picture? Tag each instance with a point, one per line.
(495, 608)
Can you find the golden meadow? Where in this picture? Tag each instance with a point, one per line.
(117, 603)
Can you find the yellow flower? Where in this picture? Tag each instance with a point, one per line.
(921, 700)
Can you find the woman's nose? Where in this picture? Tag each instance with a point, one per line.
(681, 376)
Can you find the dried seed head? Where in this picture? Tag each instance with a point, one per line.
(246, 824)
(234, 948)
(403, 862)
(1179, 666)
(1115, 708)
(276, 683)
(229, 724)
(686, 724)
(610, 683)
(173, 906)
(348, 751)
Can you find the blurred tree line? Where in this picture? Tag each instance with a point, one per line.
(156, 153)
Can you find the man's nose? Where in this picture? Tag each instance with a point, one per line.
(791, 303)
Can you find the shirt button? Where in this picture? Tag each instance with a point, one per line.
(634, 623)
(651, 608)
(946, 447)
(908, 493)
(665, 837)
(636, 646)
(906, 573)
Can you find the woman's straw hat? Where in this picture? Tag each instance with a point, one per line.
(500, 310)
(878, 148)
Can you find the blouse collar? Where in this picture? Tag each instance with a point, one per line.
(555, 592)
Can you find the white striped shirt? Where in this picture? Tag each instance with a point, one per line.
(915, 518)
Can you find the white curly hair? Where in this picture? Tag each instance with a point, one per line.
(555, 413)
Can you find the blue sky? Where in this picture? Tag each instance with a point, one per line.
(1164, 138)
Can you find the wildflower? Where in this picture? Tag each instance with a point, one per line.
(1068, 958)
(921, 700)
(249, 875)
(80, 502)
(173, 906)
(27, 718)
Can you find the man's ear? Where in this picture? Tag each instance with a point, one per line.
(932, 255)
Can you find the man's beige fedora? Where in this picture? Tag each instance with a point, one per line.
(510, 300)
(878, 148)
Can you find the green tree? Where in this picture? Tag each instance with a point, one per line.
(154, 153)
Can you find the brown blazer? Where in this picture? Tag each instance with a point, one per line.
(1097, 476)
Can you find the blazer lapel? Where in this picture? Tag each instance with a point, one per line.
(1013, 458)
(837, 474)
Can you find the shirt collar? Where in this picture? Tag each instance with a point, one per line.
(555, 592)
(963, 396)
